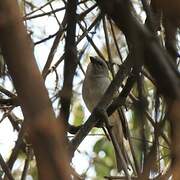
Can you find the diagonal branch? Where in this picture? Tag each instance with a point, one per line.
(124, 70)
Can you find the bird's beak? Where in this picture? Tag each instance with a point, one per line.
(93, 59)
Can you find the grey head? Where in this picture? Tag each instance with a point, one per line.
(97, 67)
(96, 82)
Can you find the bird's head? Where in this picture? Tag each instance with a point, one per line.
(98, 67)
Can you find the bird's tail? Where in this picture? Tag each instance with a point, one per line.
(118, 134)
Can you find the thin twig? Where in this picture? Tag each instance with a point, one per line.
(54, 47)
(77, 42)
(115, 40)
(6, 92)
(38, 9)
(91, 42)
(5, 168)
(26, 164)
(44, 14)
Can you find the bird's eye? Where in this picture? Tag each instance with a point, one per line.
(100, 63)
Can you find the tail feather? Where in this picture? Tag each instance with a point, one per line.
(117, 131)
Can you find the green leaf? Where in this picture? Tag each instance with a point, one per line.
(104, 161)
(78, 114)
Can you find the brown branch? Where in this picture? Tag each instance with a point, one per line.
(174, 115)
(41, 124)
(103, 116)
(158, 62)
(115, 40)
(54, 47)
(45, 39)
(44, 14)
(10, 102)
(57, 20)
(38, 9)
(19, 145)
(6, 92)
(15, 122)
(118, 102)
(91, 42)
(77, 42)
(26, 163)
(5, 168)
(70, 63)
(107, 42)
(119, 177)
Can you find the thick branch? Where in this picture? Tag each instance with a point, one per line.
(43, 130)
(70, 62)
(157, 61)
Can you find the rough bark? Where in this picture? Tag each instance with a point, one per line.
(43, 131)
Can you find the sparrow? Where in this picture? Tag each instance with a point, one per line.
(95, 84)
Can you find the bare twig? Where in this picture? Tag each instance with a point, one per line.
(5, 168)
(26, 164)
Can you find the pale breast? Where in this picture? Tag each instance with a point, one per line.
(94, 90)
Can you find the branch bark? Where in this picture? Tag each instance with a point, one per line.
(157, 61)
(70, 62)
(43, 130)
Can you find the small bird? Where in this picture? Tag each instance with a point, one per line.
(95, 84)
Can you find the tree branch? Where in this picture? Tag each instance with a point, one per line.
(40, 119)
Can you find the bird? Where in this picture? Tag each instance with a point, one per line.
(95, 84)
